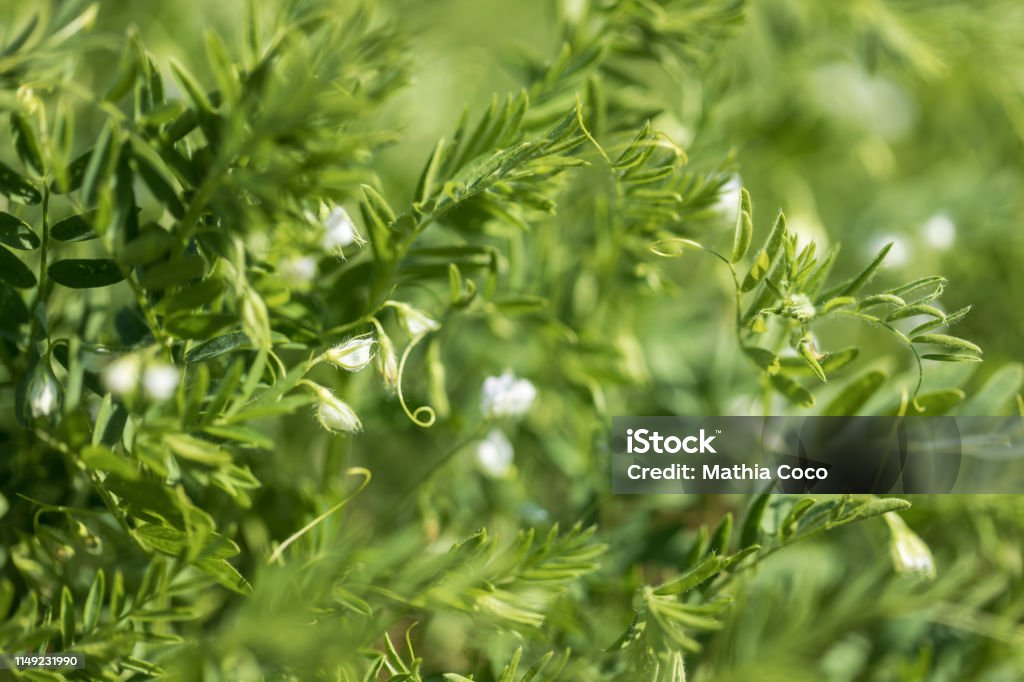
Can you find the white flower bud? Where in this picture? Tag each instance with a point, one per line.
(334, 414)
(43, 392)
(160, 381)
(121, 377)
(339, 230)
(353, 355)
(415, 321)
(299, 271)
(495, 454)
(910, 555)
(507, 396)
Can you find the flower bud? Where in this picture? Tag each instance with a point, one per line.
(255, 319)
(415, 321)
(353, 355)
(799, 307)
(910, 555)
(339, 230)
(334, 414)
(43, 395)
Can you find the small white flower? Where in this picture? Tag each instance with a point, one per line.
(507, 396)
(121, 377)
(727, 202)
(334, 414)
(160, 381)
(898, 255)
(495, 454)
(415, 321)
(939, 231)
(299, 270)
(43, 393)
(910, 555)
(353, 355)
(339, 230)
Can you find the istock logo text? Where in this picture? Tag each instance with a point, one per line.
(642, 441)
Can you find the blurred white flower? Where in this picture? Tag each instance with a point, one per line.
(507, 396)
(339, 230)
(910, 555)
(121, 376)
(299, 270)
(160, 380)
(43, 392)
(898, 255)
(415, 321)
(728, 201)
(871, 102)
(939, 231)
(495, 454)
(334, 414)
(353, 355)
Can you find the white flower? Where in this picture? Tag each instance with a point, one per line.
(495, 454)
(121, 377)
(910, 555)
(353, 355)
(160, 380)
(334, 414)
(727, 203)
(299, 270)
(43, 393)
(339, 230)
(507, 396)
(898, 254)
(415, 321)
(939, 231)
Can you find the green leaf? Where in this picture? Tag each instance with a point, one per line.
(752, 522)
(76, 228)
(765, 359)
(950, 357)
(198, 325)
(15, 272)
(954, 343)
(916, 309)
(225, 575)
(936, 402)
(13, 311)
(17, 187)
(99, 170)
(829, 362)
(103, 459)
(763, 261)
(855, 394)
(157, 176)
(26, 143)
(719, 543)
(706, 568)
(195, 295)
(80, 273)
(996, 396)
(852, 286)
(877, 507)
(793, 391)
(94, 602)
(67, 619)
(171, 273)
(217, 347)
(744, 228)
(16, 233)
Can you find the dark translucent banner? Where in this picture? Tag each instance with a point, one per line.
(894, 455)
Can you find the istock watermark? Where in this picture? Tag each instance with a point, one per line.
(881, 455)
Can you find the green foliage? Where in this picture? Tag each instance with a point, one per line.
(241, 441)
